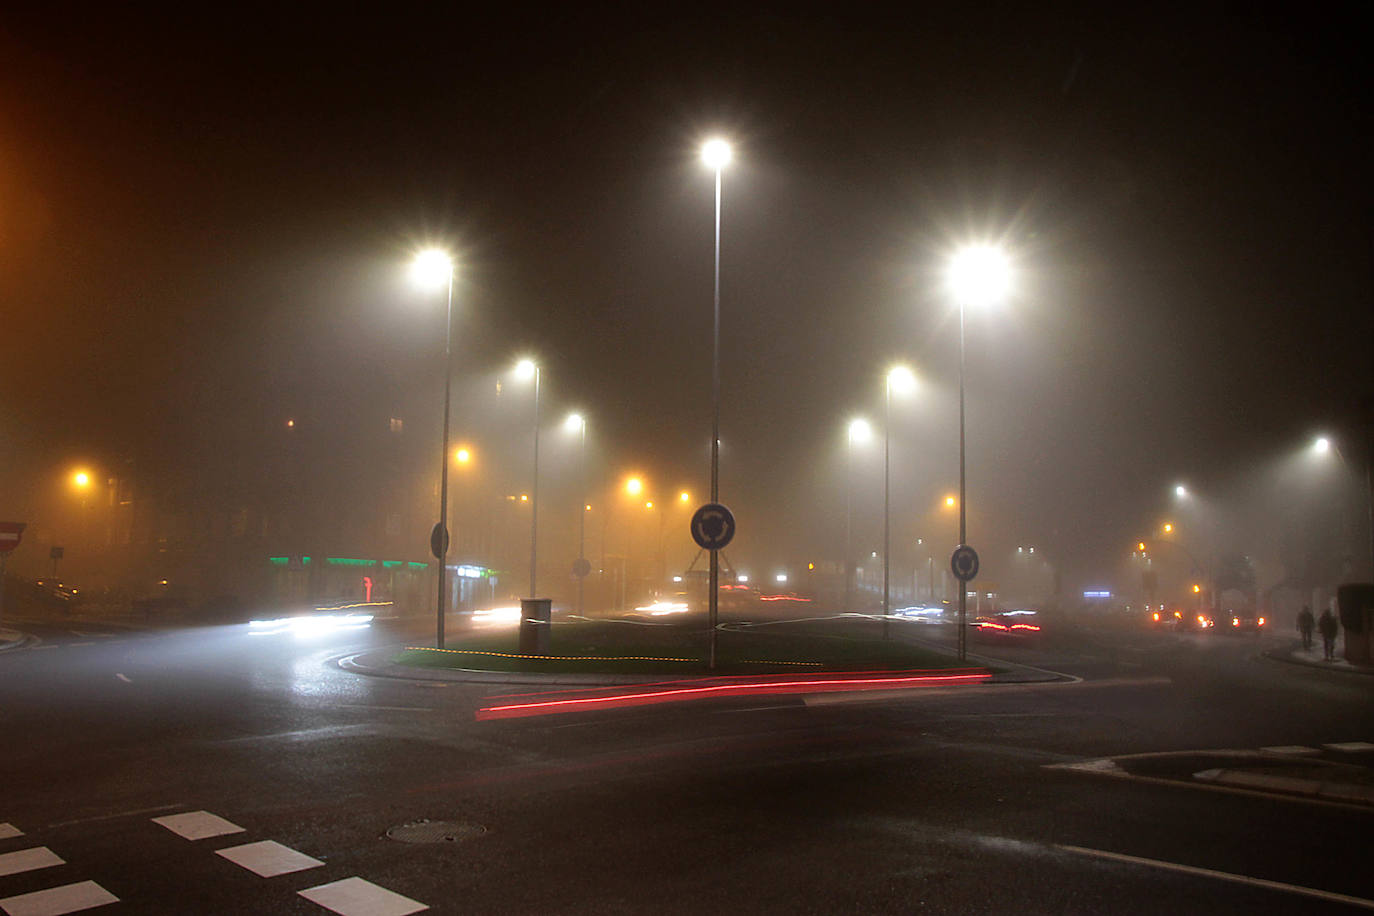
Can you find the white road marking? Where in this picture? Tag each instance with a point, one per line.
(56, 901)
(389, 708)
(13, 863)
(1292, 749)
(1350, 747)
(110, 817)
(9, 830)
(85, 635)
(197, 825)
(123, 678)
(268, 858)
(356, 897)
(1222, 876)
(47, 646)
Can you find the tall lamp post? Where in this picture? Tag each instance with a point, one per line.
(860, 432)
(716, 155)
(1324, 445)
(900, 378)
(432, 268)
(529, 369)
(978, 275)
(576, 423)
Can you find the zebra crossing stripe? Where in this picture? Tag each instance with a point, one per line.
(356, 897)
(9, 831)
(14, 863)
(55, 901)
(197, 825)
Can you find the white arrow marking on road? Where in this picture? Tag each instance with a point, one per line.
(1222, 876)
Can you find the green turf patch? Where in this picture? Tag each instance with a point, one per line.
(614, 647)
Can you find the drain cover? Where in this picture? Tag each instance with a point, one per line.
(427, 831)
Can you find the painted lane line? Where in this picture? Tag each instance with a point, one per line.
(268, 858)
(13, 863)
(110, 817)
(55, 901)
(9, 830)
(45, 646)
(1291, 749)
(1221, 876)
(197, 825)
(387, 708)
(1350, 747)
(356, 897)
(123, 678)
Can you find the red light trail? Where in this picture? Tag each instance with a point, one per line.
(683, 691)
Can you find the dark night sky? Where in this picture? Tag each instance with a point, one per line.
(202, 222)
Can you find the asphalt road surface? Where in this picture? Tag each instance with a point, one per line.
(129, 756)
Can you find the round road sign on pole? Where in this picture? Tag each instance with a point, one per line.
(438, 540)
(581, 568)
(713, 526)
(964, 563)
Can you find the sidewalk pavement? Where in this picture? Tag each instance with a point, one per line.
(378, 663)
(1296, 654)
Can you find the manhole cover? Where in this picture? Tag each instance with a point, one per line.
(427, 831)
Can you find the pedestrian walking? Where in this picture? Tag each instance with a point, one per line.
(1305, 624)
(1328, 627)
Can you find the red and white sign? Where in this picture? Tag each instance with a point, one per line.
(10, 533)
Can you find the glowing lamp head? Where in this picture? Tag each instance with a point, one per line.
(1180, 491)
(1322, 445)
(860, 431)
(979, 275)
(463, 455)
(1140, 546)
(634, 486)
(1197, 589)
(684, 497)
(716, 154)
(431, 268)
(525, 369)
(81, 479)
(901, 380)
(949, 502)
(574, 423)
(1168, 528)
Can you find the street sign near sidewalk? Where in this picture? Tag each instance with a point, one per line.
(964, 563)
(10, 535)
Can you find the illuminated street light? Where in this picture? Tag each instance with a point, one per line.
(1168, 528)
(900, 379)
(1322, 445)
(980, 276)
(463, 455)
(576, 423)
(1181, 491)
(951, 502)
(634, 486)
(528, 369)
(81, 480)
(716, 154)
(684, 497)
(433, 269)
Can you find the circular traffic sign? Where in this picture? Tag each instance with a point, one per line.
(581, 568)
(964, 563)
(713, 526)
(438, 540)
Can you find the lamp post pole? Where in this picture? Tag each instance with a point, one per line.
(534, 492)
(582, 523)
(963, 517)
(887, 500)
(714, 586)
(442, 540)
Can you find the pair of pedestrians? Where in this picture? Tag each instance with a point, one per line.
(1326, 625)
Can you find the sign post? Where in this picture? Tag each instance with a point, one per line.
(10, 535)
(964, 564)
(713, 528)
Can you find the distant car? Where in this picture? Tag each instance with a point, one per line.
(1020, 624)
(1167, 618)
(1234, 621)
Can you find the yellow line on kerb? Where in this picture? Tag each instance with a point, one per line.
(592, 658)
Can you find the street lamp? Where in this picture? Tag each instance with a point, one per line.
(529, 369)
(860, 432)
(431, 269)
(576, 423)
(901, 379)
(716, 155)
(978, 275)
(1324, 446)
(1181, 491)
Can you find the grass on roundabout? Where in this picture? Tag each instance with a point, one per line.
(679, 649)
